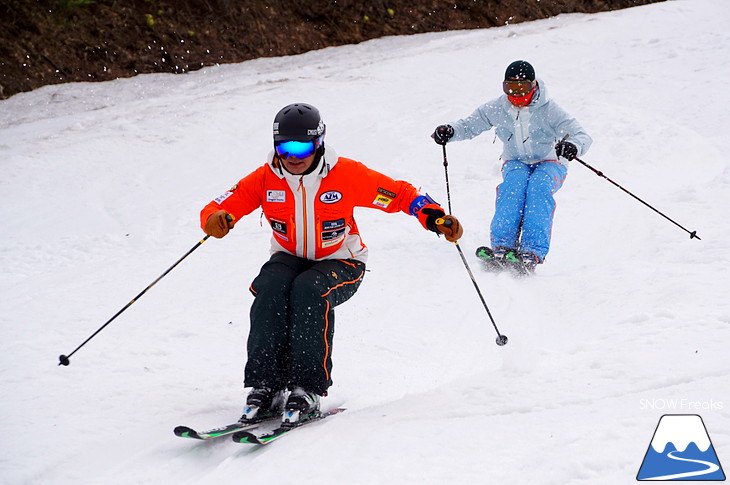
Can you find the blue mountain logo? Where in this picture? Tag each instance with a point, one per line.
(681, 450)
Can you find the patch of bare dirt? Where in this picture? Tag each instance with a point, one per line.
(56, 41)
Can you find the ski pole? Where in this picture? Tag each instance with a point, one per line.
(692, 234)
(501, 338)
(64, 359)
(446, 174)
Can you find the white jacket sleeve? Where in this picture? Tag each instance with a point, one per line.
(567, 125)
(473, 125)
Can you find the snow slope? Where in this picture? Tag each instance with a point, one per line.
(628, 320)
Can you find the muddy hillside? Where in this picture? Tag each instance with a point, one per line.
(56, 41)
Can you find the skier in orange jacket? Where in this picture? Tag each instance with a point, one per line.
(318, 257)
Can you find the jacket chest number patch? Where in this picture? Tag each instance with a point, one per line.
(275, 196)
(330, 197)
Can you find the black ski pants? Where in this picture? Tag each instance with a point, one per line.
(293, 320)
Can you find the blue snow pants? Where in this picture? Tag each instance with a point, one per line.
(525, 203)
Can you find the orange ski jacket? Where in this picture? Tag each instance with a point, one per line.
(311, 216)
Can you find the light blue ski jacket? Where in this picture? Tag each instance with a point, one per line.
(529, 134)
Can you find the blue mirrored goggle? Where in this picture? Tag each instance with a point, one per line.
(299, 149)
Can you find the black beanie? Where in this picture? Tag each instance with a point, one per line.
(521, 70)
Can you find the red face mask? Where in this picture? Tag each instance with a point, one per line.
(522, 101)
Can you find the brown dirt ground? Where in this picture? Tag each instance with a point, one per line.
(55, 41)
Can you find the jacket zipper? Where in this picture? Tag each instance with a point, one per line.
(304, 216)
(520, 132)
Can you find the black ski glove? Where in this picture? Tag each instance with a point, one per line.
(443, 134)
(566, 149)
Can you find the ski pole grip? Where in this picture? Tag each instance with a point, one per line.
(444, 222)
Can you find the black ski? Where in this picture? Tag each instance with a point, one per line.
(251, 438)
(186, 432)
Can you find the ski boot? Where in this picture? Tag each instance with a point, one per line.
(300, 407)
(495, 260)
(262, 403)
(525, 263)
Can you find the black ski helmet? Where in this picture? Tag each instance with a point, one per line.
(298, 122)
(520, 70)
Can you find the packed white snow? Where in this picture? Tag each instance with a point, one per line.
(629, 318)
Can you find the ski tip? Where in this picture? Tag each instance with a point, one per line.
(246, 437)
(185, 432)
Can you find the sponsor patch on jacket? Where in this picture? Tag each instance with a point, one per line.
(382, 201)
(275, 196)
(331, 225)
(332, 232)
(279, 228)
(223, 197)
(330, 197)
(331, 238)
(387, 193)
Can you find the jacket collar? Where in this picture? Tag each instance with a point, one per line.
(326, 163)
